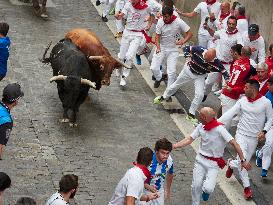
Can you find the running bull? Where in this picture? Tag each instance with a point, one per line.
(74, 72)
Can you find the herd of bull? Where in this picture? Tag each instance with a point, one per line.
(79, 61)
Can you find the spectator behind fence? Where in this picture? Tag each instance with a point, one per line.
(5, 183)
(4, 49)
(25, 201)
(68, 188)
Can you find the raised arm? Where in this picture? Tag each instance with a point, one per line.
(186, 141)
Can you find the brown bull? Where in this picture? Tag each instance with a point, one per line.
(100, 58)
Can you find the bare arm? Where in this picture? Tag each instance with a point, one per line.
(129, 200)
(186, 141)
(168, 186)
(187, 37)
(119, 15)
(189, 15)
(237, 147)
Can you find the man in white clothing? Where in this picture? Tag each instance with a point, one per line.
(130, 188)
(255, 41)
(242, 22)
(68, 188)
(166, 44)
(255, 119)
(209, 159)
(205, 9)
(135, 12)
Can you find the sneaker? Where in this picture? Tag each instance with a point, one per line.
(218, 93)
(259, 160)
(158, 100)
(98, 3)
(264, 173)
(122, 81)
(229, 172)
(44, 15)
(157, 83)
(192, 119)
(164, 76)
(138, 59)
(205, 196)
(118, 34)
(43, 12)
(112, 11)
(248, 193)
(104, 18)
(204, 98)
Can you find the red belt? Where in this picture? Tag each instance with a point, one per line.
(220, 161)
(148, 38)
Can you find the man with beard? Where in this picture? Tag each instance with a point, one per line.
(68, 188)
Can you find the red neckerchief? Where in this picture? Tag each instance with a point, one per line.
(223, 16)
(212, 124)
(241, 17)
(256, 98)
(210, 3)
(145, 171)
(173, 17)
(140, 5)
(232, 32)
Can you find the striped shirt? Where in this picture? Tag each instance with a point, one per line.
(199, 66)
(159, 171)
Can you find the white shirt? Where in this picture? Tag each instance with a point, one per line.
(254, 116)
(56, 199)
(242, 25)
(224, 44)
(132, 184)
(135, 18)
(168, 33)
(203, 9)
(259, 54)
(213, 142)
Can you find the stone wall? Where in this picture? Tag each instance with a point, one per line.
(258, 11)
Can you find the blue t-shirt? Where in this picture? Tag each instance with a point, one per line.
(4, 54)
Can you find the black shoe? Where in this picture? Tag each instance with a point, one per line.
(97, 2)
(164, 76)
(104, 18)
(157, 83)
(153, 78)
(204, 98)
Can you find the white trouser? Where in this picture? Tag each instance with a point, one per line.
(171, 57)
(142, 46)
(227, 103)
(203, 40)
(128, 48)
(248, 146)
(186, 76)
(158, 201)
(204, 178)
(119, 23)
(109, 4)
(214, 77)
(266, 152)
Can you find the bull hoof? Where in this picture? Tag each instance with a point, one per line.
(73, 124)
(64, 120)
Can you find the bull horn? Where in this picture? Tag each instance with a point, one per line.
(123, 64)
(57, 77)
(88, 82)
(95, 57)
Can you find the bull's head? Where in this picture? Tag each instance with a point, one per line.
(106, 65)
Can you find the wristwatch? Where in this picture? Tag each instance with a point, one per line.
(243, 160)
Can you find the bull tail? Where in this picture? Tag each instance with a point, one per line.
(44, 59)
